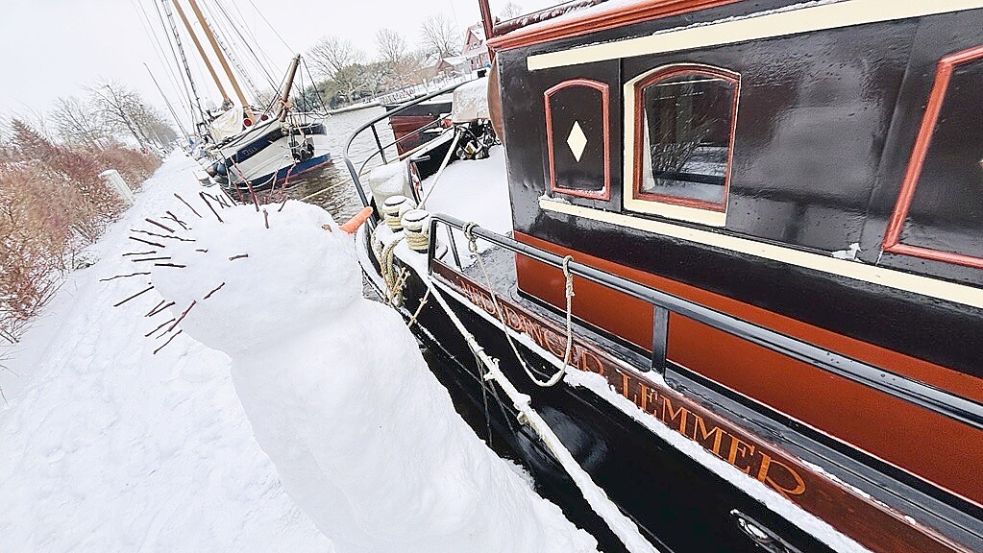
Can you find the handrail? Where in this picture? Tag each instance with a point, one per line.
(355, 174)
(923, 395)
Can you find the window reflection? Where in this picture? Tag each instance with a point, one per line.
(686, 121)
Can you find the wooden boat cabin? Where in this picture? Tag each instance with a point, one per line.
(775, 216)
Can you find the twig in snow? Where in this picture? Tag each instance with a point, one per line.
(174, 218)
(130, 254)
(182, 316)
(161, 225)
(169, 237)
(159, 308)
(162, 258)
(121, 276)
(148, 242)
(193, 210)
(238, 256)
(204, 198)
(266, 218)
(208, 295)
(162, 325)
(140, 293)
(168, 341)
(175, 265)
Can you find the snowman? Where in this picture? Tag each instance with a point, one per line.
(364, 439)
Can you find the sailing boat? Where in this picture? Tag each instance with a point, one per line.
(249, 148)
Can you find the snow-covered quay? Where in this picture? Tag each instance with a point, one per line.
(106, 446)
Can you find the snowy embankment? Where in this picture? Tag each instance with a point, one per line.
(109, 447)
(105, 447)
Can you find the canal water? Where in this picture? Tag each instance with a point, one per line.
(331, 187)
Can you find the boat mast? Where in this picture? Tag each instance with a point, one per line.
(178, 48)
(233, 59)
(201, 50)
(180, 125)
(221, 59)
(285, 90)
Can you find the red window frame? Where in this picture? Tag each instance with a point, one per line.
(605, 192)
(675, 71)
(892, 235)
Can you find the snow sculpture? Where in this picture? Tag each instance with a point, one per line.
(363, 437)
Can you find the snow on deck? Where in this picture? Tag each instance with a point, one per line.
(474, 190)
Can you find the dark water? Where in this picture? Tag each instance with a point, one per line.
(332, 187)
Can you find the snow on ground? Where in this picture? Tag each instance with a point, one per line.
(108, 447)
(105, 447)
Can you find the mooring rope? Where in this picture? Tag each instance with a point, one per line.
(622, 526)
(500, 313)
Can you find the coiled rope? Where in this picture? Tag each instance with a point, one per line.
(500, 313)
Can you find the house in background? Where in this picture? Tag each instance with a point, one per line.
(452, 65)
(475, 51)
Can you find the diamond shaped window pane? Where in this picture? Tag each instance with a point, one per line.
(577, 141)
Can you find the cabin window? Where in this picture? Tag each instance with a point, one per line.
(939, 212)
(578, 141)
(683, 139)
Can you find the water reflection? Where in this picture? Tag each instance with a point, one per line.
(332, 187)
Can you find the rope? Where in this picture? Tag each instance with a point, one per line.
(500, 313)
(622, 526)
(395, 277)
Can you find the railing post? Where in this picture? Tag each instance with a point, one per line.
(382, 151)
(660, 337)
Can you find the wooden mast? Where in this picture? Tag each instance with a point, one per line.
(285, 90)
(201, 50)
(205, 28)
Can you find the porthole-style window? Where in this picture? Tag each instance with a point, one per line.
(682, 138)
(939, 211)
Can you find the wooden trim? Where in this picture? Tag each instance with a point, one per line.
(605, 192)
(846, 411)
(845, 509)
(662, 73)
(599, 19)
(892, 235)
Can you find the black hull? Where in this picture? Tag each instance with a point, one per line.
(678, 504)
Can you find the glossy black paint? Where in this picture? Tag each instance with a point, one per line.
(679, 505)
(826, 123)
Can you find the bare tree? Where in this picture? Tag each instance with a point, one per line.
(78, 123)
(439, 36)
(511, 11)
(392, 47)
(116, 105)
(330, 55)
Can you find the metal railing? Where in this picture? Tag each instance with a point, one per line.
(380, 151)
(928, 397)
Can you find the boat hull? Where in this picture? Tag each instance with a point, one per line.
(270, 154)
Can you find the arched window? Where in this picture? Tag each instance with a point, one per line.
(939, 212)
(682, 134)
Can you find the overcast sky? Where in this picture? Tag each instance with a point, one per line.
(52, 48)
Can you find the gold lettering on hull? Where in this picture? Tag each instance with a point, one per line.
(881, 529)
(739, 451)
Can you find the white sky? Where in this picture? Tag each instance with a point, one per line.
(52, 48)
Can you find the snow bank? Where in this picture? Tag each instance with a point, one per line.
(109, 448)
(363, 436)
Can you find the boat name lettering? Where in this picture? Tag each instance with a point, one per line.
(669, 408)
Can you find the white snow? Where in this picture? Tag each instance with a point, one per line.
(474, 191)
(471, 101)
(108, 447)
